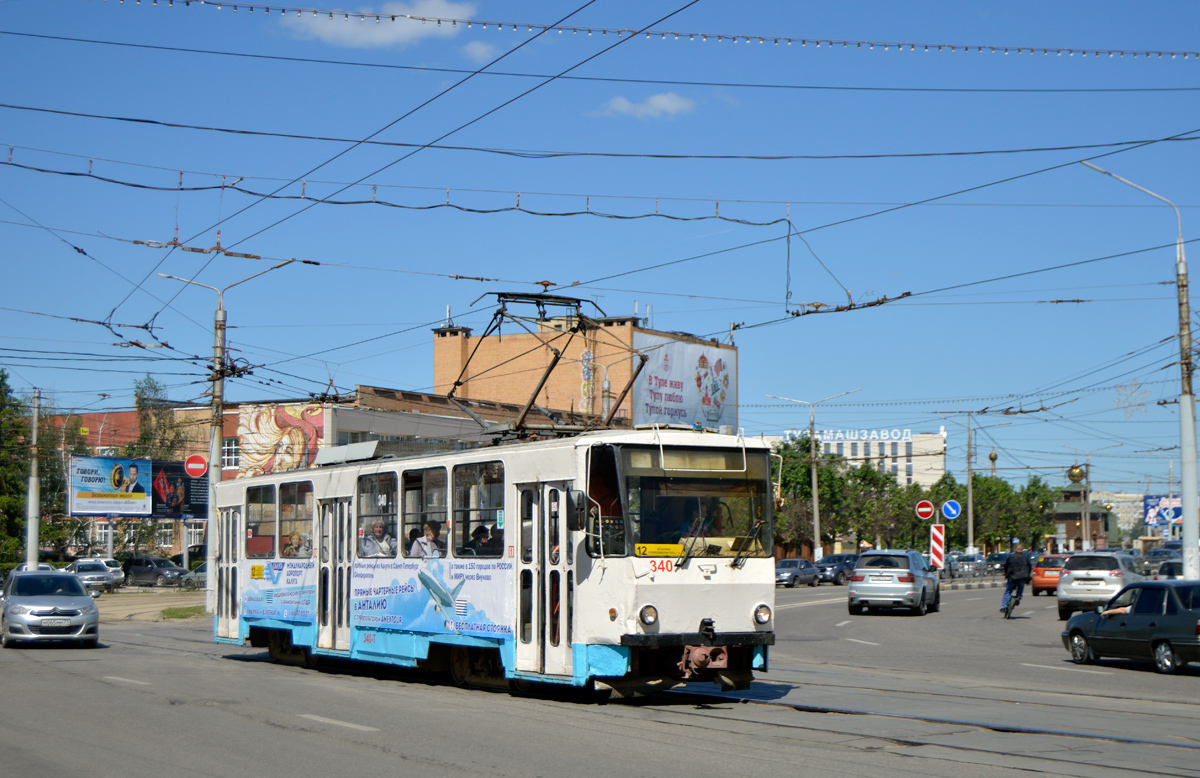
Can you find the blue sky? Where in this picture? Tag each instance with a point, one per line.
(835, 138)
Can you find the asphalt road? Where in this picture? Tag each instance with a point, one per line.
(957, 693)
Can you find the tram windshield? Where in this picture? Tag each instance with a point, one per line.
(704, 502)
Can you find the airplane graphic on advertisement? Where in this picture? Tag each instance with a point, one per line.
(443, 598)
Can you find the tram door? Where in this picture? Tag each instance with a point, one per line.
(228, 544)
(333, 579)
(545, 580)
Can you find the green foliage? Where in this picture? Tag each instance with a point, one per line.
(159, 435)
(14, 470)
(864, 503)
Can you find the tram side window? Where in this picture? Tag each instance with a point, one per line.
(606, 523)
(296, 520)
(479, 509)
(424, 504)
(377, 515)
(260, 522)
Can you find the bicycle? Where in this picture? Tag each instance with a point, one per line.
(1013, 602)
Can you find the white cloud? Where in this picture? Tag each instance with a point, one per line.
(667, 104)
(361, 31)
(478, 51)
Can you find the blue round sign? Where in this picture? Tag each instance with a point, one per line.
(951, 509)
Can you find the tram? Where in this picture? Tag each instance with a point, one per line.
(628, 561)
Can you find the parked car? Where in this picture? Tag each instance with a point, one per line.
(971, 564)
(194, 553)
(949, 568)
(1172, 568)
(196, 579)
(1046, 571)
(994, 563)
(1156, 556)
(791, 572)
(38, 605)
(93, 573)
(114, 567)
(1091, 578)
(151, 570)
(889, 578)
(1159, 625)
(836, 568)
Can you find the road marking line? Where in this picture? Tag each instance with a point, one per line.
(127, 680)
(1067, 669)
(337, 723)
(843, 623)
(864, 642)
(973, 599)
(806, 604)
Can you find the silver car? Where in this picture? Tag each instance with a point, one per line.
(890, 578)
(1091, 578)
(93, 573)
(38, 606)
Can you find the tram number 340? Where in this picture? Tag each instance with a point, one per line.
(662, 566)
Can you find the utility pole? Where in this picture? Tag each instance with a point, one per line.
(812, 458)
(970, 493)
(33, 493)
(216, 428)
(1189, 477)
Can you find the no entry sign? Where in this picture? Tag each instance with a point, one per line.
(924, 509)
(196, 466)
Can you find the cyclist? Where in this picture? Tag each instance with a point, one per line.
(1017, 570)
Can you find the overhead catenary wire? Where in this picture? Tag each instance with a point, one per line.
(652, 33)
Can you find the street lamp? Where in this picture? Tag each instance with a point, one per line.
(216, 431)
(1187, 407)
(1086, 477)
(812, 459)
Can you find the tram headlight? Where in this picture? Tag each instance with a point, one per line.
(762, 614)
(648, 615)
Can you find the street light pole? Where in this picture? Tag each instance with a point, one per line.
(1189, 479)
(1085, 511)
(217, 424)
(812, 460)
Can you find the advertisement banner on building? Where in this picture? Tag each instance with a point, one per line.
(274, 438)
(109, 485)
(175, 494)
(685, 383)
(1161, 510)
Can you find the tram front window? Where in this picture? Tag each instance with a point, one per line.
(710, 502)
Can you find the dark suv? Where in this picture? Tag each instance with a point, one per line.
(152, 570)
(836, 568)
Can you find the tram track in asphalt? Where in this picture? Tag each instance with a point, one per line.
(1083, 766)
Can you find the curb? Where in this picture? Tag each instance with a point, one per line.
(990, 585)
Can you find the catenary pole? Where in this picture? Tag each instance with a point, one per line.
(1189, 478)
(216, 428)
(33, 492)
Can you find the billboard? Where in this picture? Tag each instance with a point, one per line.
(109, 485)
(685, 383)
(136, 487)
(1161, 510)
(273, 438)
(175, 494)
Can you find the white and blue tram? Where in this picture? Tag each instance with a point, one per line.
(624, 560)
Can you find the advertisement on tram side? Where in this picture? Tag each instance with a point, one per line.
(434, 594)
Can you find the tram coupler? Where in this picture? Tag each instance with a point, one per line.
(697, 659)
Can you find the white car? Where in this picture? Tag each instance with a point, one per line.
(114, 568)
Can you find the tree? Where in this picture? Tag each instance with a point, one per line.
(159, 435)
(794, 520)
(14, 469)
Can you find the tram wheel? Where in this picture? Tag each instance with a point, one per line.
(460, 665)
